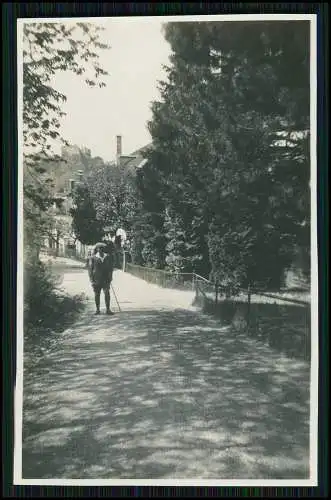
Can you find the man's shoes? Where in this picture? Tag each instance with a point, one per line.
(97, 311)
(109, 312)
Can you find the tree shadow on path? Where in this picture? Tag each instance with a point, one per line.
(164, 394)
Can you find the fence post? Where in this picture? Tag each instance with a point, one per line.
(216, 293)
(248, 306)
(124, 262)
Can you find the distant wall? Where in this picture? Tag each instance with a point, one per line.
(77, 250)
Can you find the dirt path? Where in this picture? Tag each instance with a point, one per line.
(162, 391)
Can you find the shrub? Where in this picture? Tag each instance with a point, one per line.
(44, 307)
(39, 285)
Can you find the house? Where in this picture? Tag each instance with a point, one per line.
(131, 161)
(61, 240)
(60, 235)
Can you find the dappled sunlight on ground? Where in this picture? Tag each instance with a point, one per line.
(163, 392)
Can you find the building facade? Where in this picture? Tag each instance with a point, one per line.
(61, 240)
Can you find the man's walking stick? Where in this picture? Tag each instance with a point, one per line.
(115, 297)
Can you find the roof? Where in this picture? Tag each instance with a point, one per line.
(136, 159)
(144, 149)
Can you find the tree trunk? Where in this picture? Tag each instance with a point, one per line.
(57, 245)
(37, 252)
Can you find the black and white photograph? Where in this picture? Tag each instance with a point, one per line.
(167, 318)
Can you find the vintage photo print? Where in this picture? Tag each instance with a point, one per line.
(167, 320)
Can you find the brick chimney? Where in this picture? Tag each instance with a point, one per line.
(118, 148)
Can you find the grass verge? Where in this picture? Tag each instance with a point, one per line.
(47, 310)
(284, 327)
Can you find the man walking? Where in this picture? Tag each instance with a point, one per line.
(101, 274)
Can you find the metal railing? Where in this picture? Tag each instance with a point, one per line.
(162, 278)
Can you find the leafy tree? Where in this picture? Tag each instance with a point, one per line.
(231, 91)
(49, 48)
(148, 234)
(113, 191)
(86, 227)
(176, 242)
(180, 165)
(147, 240)
(110, 193)
(267, 97)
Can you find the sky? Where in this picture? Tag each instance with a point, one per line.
(134, 62)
